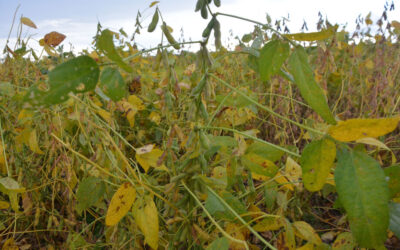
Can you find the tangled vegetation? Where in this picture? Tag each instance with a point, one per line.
(289, 141)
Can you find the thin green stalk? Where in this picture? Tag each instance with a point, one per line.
(264, 107)
(213, 220)
(156, 48)
(253, 138)
(241, 219)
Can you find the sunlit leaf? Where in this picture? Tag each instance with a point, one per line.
(146, 217)
(120, 203)
(316, 162)
(309, 89)
(28, 22)
(364, 193)
(355, 129)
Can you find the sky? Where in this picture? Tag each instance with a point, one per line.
(78, 19)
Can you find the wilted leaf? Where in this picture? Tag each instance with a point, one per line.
(28, 22)
(344, 241)
(355, 129)
(309, 89)
(53, 38)
(292, 170)
(364, 193)
(316, 162)
(149, 159)
(120, 203)
(146, 217)
(268, 224)
(153, 3)
(11, 188)
(4, 205)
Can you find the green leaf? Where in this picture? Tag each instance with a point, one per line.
(90, 190)
(106, 45)
(216, 208)
(316, 162)
(77, 75)
(364, 194)
(394, 225)
(113, 84)
(272, 56)
(219, 244)
(309, 89)
(393, 174)
(266, 151)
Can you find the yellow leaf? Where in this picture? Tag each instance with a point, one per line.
(153, 3)
(25, 116)
(155, 117)
(280, 179)
(9, 244)
(50, 50)
(104, 114)
(136, 102)
(355, 129)
(395, 24)
(146, 217)
(150, 159)
(268, 224)
(293, 172)
(120, 203)
(307, 246)
(236, 232)
(306, 232)
(33, 144)
(145, 149)
(344, 241)
(313, 36)
(28, 22)
(4, 205)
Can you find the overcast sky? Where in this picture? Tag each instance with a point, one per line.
(78, 19)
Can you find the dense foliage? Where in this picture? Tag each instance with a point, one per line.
(289, 141)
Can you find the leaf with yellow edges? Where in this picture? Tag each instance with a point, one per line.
(120, 203)
(28, 22)
(355, 129)
(148, 156)
(146, 217)
(313, 36)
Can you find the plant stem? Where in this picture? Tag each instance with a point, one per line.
(253, 138)
(264, 107)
